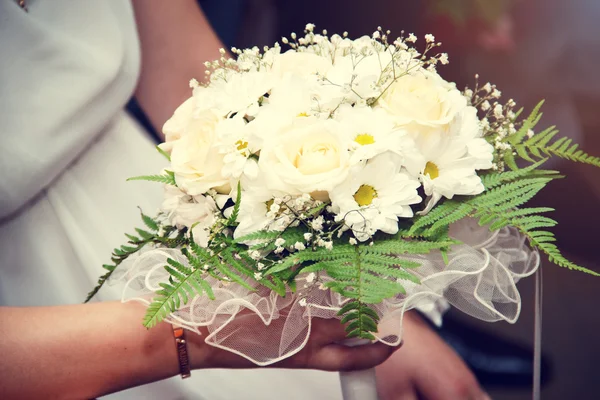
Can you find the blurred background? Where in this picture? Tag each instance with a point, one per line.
(532, 49)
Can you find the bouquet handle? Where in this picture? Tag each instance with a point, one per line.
(359, 385)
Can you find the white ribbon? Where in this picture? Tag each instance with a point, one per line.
(359, 385)
(537, 336)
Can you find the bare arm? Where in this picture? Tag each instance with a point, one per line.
(81, 351)
(88, 350)
(176, 40)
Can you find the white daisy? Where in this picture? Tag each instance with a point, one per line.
(370, 132)
(237, 147)
(448, 161)
(466, 126)
(374, 196)
(449, 172)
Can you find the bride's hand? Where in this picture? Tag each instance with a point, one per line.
(425, 368)
(322, 351)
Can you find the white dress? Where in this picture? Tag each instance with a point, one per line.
(66, 70)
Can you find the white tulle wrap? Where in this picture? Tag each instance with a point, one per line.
(479, 279)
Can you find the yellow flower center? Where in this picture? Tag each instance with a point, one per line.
(365, 195)
(364, 139)
(432, 170)
(241, 145)
(302, 114)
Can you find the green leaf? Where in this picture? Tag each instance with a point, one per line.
(186, 283)
(144, 234)
(544, 144)
(259, 236)
(163, 153)
(528, 124)
(149, 222)
(168, 178)
(133, 239)
(352, 305)
(236, 208)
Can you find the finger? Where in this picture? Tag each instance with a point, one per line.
(390, 386)
(326, 331)
(337, 357)
(443, 375)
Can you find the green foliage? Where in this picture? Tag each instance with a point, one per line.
(163, 153)
(184, 283)
(543, 240)
(236, 208)
(504, 193)
(493, 180)
(529, 123)
(361, 320)
(367, 274)
(261, 236)
(135, 244)
(168, 178)
(224, 260)
(498, 207)
(265, 240)
(544, 144)
(538, 146)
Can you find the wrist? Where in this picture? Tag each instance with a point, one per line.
(199, 352)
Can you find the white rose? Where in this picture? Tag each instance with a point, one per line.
(423, 100)
(301, 63)
(194, 212)
(175, 127)
(195, 159)
(310, 157)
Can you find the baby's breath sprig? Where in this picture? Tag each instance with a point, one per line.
(498, 120)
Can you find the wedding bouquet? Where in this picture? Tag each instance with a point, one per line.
(340, 179)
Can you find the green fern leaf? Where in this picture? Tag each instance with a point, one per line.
(133, 239)
(542, 138)
(163, 153)
(236, 207)
(495, 179)
(149, 222)
(101, 281)
(409, 246)
(186, 284)
(509, 160)
(529, 123)
(168, 178)
(440, 211)
(554, 255)
(144, 234)
(266, 236)
(233, 276)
